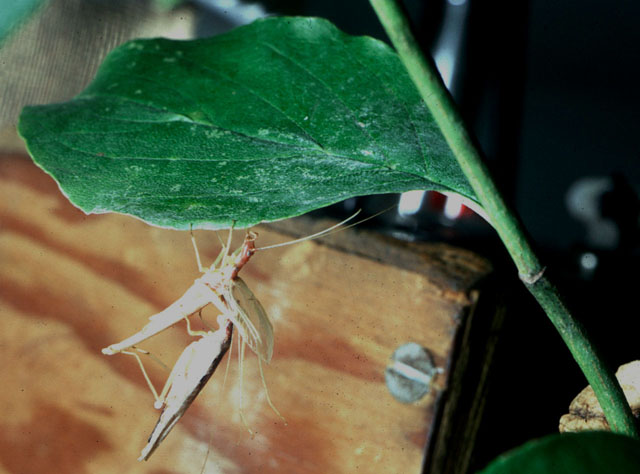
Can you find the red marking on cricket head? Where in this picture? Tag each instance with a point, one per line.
(248, 249)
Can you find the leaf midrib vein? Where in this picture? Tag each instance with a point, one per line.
(373, 166)
(331, 92)
(392, 92)
(247, 88)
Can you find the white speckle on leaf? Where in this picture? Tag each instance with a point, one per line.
(138, 91)
(213, 133)
(306, 117)
(360, 124)
(366, 152)
(176, 187)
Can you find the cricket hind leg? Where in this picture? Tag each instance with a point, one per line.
(241, 347)
(241, 351)
(266, 391)
(158, 398)
(226, 370)
(246, 327)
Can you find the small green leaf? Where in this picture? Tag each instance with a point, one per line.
(583, 453)
(268, 121)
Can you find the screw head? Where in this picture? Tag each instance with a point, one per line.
(409, 375)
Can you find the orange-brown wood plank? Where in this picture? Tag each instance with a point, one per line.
(72, 284)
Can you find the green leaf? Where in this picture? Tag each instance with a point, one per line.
(268, 121)
(583, 453)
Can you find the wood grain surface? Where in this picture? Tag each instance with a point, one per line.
(71, 284)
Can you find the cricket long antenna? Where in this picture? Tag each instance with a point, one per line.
(326, 231)
(312, 236)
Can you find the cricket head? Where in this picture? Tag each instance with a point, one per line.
(246, 252)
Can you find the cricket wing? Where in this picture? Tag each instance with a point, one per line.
(251, 315)
(194, 299)
(192, 371)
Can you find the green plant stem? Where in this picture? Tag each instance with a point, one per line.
(434, 93)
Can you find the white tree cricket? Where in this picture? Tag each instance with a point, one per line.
(220, 286)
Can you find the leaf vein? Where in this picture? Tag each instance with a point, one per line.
(392, 92)
(331, 91)
(254, 93)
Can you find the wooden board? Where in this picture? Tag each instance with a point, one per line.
(72, 284)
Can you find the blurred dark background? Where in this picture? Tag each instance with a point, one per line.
(550, 90)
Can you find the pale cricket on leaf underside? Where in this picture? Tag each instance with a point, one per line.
(220, 286)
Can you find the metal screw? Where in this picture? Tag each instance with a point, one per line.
(409, 375)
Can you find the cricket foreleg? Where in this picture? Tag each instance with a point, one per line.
(221, 255)
(195, 248)
(228, 246)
